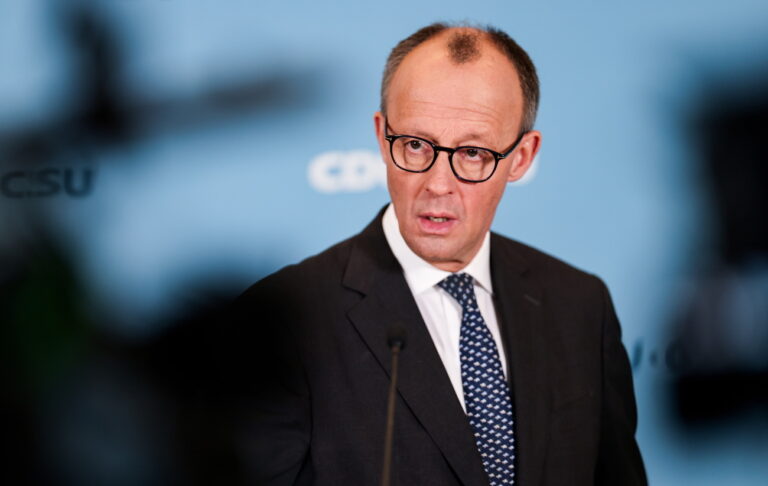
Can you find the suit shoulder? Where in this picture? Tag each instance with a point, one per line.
(546, 267)
(322, 268)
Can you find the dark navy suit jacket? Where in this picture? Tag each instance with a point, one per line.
(308, 364)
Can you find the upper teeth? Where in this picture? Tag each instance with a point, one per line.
(437, 220)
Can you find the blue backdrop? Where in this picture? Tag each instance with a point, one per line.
(243, 141)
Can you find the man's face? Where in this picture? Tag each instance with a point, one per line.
(479, 103)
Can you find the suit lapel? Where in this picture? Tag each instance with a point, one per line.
(519, 301)
(423, 382)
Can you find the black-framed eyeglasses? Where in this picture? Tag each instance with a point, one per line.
(471, 164)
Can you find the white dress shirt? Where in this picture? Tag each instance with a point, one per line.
(440, 311)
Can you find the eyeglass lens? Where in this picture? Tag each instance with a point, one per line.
(469, 163)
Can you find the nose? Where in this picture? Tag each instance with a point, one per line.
(439, 178)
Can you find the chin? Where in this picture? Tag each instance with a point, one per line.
(432, 251)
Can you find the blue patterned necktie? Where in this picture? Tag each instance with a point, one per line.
(489, 405)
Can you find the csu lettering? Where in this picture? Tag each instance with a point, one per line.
(47, 182)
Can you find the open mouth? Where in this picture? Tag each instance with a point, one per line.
(437, 223)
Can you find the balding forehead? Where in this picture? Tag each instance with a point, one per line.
(464, 45)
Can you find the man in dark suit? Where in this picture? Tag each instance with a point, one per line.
(513, 372)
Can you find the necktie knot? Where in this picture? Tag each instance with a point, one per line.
(460, 286)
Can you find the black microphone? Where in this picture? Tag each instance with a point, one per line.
(396, 343)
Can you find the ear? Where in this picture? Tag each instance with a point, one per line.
(379, 123)
(523, 155)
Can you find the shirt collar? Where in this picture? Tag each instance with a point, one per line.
(420, 274)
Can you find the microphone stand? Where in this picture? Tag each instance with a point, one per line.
(396, 342)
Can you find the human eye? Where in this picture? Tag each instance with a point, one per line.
(416, 146)
(474, 155)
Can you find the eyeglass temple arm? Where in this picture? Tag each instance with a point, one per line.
(514, 145)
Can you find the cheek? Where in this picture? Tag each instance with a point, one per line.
(396, 195)
(481, 206)
(399, 187)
